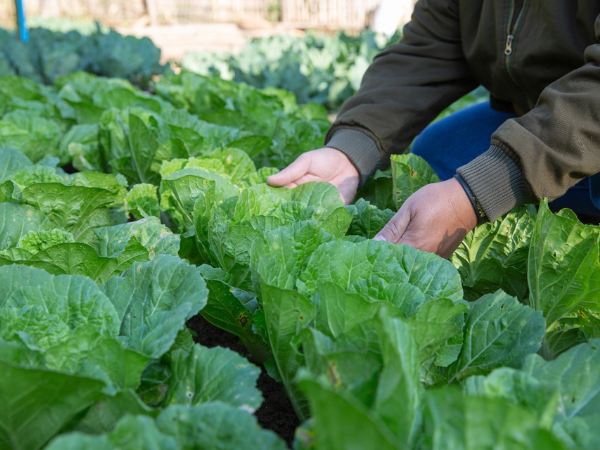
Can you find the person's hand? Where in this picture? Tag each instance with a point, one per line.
(436, 219)
(327, 165)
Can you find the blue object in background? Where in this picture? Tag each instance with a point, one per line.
(461, 137)
(21, 25)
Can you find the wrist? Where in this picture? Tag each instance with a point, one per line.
(473, 213)
(343, 163)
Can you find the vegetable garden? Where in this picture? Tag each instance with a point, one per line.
(125, 213)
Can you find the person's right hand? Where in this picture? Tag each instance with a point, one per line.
(327, 165)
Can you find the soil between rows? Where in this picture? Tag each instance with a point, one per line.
(276, 413)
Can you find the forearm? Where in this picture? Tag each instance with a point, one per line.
(407, 85)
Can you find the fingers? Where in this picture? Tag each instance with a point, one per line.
(395, 228)
(291, 173)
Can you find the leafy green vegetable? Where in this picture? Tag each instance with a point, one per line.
(494, 255)
(564, 277)
(409, 174)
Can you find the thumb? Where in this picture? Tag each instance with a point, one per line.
(291, 173)
(395, 228)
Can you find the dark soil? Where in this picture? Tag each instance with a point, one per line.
(276, 412)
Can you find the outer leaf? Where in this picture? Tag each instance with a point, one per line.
(232, 309)
(575, 373)
(286, 313)
(75, 209)
(131, 433)
(499, 331)
(539, 397)
(368, 219)
(143, 146)
(213, 374)
(12, 161)
(410, 173)
(352, 363)
(216, 426)
(343, 423)
(436, 323)
(142, 201)
(13, 278)
(494, 256)
(399, 381)
(46, 314)
(39, 403)
(563, 272)
(350, 264)
(456, 422)
(150, 233)
(16, 221)
(153, 300)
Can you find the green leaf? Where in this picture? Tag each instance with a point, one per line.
(130, 433)
(46, 314)
(12, 162)
(76, 209)
(454, 421)
(379, 190)
(399, 381)
(434, 325)
(342, 422)
(563, 273)
(287, 313)
(338, 312)
(18, 220)
(65, 259)
(575, 373)
(368, 220)
(213, 374)
(499, 331)
(494, 255)
(143, 147)
(15, 277)
(382, 270)
(104, 415)
(410, 173)
(153, 300)
(38, 403)
(155, 238)
(142, 201)
(286, 252)
(232, 309)
(539, 396)
(216, 426)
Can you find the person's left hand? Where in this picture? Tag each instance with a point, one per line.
(436, 219)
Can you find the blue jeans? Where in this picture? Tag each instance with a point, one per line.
(461, 137)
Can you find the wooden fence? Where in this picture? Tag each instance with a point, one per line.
(329, 14)
(332, 14)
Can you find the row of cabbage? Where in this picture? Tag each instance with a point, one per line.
(50, 54)
(169, 215)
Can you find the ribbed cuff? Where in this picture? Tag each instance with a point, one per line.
(497, 182)
(360, 149)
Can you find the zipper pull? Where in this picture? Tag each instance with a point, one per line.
(508, 47)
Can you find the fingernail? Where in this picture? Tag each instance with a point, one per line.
(379, 238)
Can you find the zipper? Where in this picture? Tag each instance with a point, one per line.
(517, 12)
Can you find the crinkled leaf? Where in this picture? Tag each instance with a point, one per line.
(213, 374)
(499, 331)
(153, 300)
(142, 201)
(563, 272)
(410, 173)
(494, 255)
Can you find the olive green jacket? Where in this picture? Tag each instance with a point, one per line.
(542, 57)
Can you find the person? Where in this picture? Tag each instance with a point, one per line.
(537, 137)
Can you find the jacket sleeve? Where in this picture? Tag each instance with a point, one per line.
(549, 149)
(404, 89)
